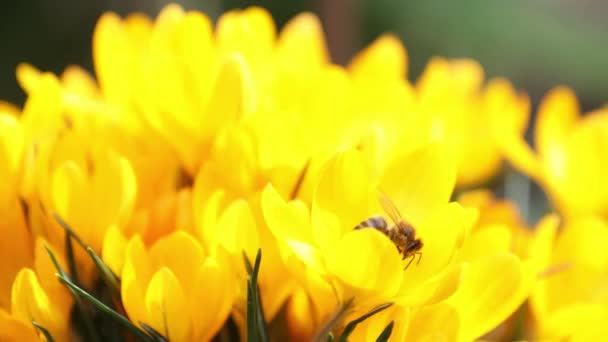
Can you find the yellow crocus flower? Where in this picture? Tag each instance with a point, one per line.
(322, 248)
(570, 299)
(177, 287)
(569, 157)
(16, 246)
(453, 106)
(37, 296)
(175, 74)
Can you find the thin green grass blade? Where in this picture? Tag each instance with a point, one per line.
(156, 336)
(69, 253)
(108, 277)
(69, 230)
(44, 331)
(332, 322)
(386, 333)
(92, 333)
(350, 327)
(252, 331)
(330, 337)
(122, 320)
(257, 329)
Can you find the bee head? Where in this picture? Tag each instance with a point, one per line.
(414, 245)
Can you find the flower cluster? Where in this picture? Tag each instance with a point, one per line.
(229, 180)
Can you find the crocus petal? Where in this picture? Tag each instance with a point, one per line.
(13, 329)
(421, 182)
(250, 32)
(110, 38)
(136, 274)
(289, 221)
(342, 196)
(439, 322)
(578, 322)
(113, 249)
(379, 270)
(385, 58)
(237, 230)
(302, 43)
(488, 241)
(212, 297)
(442, 234)
(491, 289)
(558, 112)
(166, 306)
(180, 253)
(30, 302)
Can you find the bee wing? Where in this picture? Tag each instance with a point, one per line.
(390, 208)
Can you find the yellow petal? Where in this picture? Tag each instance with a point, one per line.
(579, 262)
(41, 113)
(439, 322)
(301, 45)
(421, 182)
(370, 329)
(368, 262)
(136, 274)
(167, 308)
(15, 247)
(488, 241)
(442, 234)
(385, 58)
(46, 272)
(28, 76)
(30, 302)
(237, 230)
(114, 74)
(79, 81)
(179, 252)
(579, 322)
(214, 289)
(9, 108)
(68, 184)
(112, 171)
(344, 192)
(11, 152)
(540, 252)
(113, 249)
(285, 220)
(250, 32)
(492, 288)
(433, 290)
(557, 114)
(15, 330)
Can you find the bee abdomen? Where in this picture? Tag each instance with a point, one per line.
(377, 222)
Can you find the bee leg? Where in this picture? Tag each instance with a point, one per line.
(419, 258)
(410, 262)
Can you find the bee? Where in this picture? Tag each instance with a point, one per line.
(402, 233)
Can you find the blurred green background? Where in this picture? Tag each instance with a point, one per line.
(535, 43)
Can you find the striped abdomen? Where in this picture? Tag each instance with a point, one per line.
(377, 222)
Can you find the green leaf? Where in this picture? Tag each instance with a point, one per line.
(120, 319)
(88, 323)
(332, 322)
(156, 336)
(330, 337)
(69, 252)
(45, 332)
(257, 329)
(386, 333)
(109, 278)
(350, 327)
